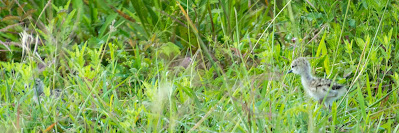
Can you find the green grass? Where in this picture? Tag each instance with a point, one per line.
(197, 66)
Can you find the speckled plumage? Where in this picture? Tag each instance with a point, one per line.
(39, 91)
(317, 88)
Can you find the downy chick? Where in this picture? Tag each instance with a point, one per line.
(317, 88)
(39, 91)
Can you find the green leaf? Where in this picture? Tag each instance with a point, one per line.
(360, 99)
(360, 42)
(373, 56)
(327, 64)
(368, 88)
(348, 47)
(322, 47)
(169, 48)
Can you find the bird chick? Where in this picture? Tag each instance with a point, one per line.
(39, 91)
(317, 88)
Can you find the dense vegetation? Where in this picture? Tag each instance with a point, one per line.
(197, 65)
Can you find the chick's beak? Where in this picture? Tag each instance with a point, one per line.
(290, 71)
